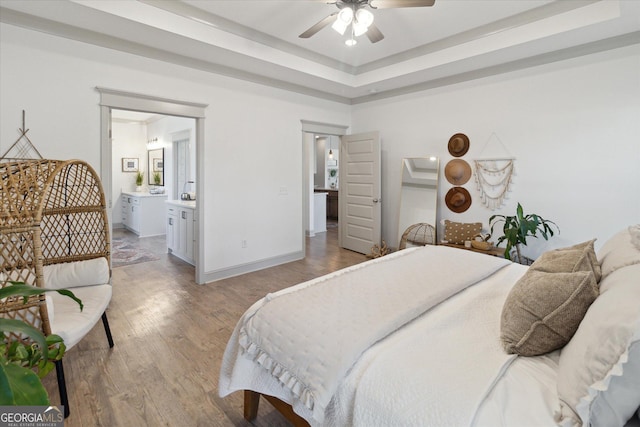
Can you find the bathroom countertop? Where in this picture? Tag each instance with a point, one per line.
(182, 203)
(142, 194)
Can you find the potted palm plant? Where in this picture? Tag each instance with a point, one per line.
(19, 383)
(139, 180)
(517, 228)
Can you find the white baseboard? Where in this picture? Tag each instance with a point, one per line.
(225, 273)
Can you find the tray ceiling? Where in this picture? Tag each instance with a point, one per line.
(257, 40)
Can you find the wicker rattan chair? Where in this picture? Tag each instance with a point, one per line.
(54, 233)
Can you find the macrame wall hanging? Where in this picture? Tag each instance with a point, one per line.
(22, 149)
(494, 172)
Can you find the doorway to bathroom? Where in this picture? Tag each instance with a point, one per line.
(165, 134)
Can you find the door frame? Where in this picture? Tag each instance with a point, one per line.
(121, 100)
(312, 127)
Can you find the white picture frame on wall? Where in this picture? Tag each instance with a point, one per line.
(129, 164)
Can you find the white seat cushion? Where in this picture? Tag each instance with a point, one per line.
(78, 273)
(71, 323)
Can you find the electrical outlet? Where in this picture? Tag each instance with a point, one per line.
(243, 244)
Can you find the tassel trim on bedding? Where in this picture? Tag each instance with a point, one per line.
(284, 376)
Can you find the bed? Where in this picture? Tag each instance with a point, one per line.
(445, 337)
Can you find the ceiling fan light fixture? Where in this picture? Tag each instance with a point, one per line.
(351, 42)
(362, 21)
(343, 20)
(358, 29)
(364, 17)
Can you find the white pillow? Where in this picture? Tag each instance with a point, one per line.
(77, 273)
(634, 230)
(621, 250)
(599, 369)
(49, 300)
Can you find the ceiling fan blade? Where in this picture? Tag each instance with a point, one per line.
(320, 25)
(374, 34)
(388, 4)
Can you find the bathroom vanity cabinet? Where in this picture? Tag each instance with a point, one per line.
(181, 222)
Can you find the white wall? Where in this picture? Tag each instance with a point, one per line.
(248, 127)
(573, 127)
(128, 140)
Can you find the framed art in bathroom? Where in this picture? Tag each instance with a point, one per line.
(129, 164)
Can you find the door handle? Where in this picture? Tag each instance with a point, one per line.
(377, 200)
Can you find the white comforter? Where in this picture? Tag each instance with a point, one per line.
(437, 370)
(315, 371)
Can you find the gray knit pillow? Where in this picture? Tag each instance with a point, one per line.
(544, 310)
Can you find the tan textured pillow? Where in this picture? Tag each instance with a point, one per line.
(580, 257)
(458, 232)
(620, 251)
(544, 310)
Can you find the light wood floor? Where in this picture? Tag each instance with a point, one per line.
(169, 336)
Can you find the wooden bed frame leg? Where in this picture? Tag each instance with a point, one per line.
(251, 402)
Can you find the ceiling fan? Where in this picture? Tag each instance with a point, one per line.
(354, 13)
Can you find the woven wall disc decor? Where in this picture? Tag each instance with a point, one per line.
(457, 172)
(458, 145)
(458, 199)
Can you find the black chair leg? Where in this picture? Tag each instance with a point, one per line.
(105, 322)
(62, 388)
(62, 385)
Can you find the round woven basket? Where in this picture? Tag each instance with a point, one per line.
(418, 234)
(485, 246)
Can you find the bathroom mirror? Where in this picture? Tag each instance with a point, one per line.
(155, 167)
(418, 193)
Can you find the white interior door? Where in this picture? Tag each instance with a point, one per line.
(360, 208)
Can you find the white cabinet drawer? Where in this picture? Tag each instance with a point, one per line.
(181, 232)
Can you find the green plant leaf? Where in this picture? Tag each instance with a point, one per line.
(516, 229)
(20, 386)
(19, 289)
(70, 294)
(44, 368)
(21, 353)
(54, 339)
(24, 290)
(18, 326)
